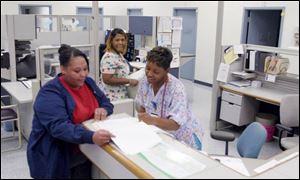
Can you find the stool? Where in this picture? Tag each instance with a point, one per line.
(223, 136)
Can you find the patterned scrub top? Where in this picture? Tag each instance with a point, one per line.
(175, 106)
(116, 64)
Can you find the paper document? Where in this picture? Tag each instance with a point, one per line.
(132, 136)
(171, 162)
(138, 75)
(136, 138)
(233, 163)
(176, 38)
(229, 56)
(176, 23)
(164, 39)
(242, 83)
(175, 63)
(223, 72)
(164, 24)
(27, 83)
(238, 49)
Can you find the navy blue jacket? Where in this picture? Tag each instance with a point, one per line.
(53, 134)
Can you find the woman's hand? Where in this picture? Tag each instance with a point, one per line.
(133, 82)
(145, 117)
(101, 137)
(100, 114)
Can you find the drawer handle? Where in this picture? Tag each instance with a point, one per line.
(230, 103)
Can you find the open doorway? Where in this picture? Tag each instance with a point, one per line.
(262, 27)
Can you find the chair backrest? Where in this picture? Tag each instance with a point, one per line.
(251, 140)
(289, 110)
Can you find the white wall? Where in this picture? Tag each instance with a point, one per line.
(233, 18)
(207, 14)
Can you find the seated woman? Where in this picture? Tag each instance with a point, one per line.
(163, 100)
(114, 67)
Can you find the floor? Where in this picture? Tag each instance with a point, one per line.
(14, 163)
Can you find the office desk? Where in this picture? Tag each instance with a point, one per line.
(271, 96)
(18, 91)
(22, 96)
(114, 164)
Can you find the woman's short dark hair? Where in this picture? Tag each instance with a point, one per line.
(161, 56)
(112, 35)
(66, 52)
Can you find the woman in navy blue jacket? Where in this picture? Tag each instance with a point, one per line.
(60, 107)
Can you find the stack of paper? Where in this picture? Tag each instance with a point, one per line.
(230, 56)
(131, 136)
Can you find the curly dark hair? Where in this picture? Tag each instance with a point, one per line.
(161, 56)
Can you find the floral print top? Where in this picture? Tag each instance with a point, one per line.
(175, 106)
(116, 64)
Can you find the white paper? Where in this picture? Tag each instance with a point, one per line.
(132, 136)
(270, 78)
(172, 162)
(138, 65)
(176, 38)
(111, 124)
(176, 58)
(164, 24)
(136, 138)
(223, 72)
(252, 60)
(266, 166)
(138, 75)
(234, 163)
(238, 49)
(164, 39)
(176, 23)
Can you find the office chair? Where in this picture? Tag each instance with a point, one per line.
(249, 143)
(289, 119)
(8, 114)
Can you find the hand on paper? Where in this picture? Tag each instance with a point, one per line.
(101, 137)
(147, 118)
(100, 114)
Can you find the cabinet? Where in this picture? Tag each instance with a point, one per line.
(237, 109)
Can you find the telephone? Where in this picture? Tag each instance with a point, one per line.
(276, 65)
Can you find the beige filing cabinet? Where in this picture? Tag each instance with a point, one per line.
(237, 109)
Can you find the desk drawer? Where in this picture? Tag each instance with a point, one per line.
(230, 112)
(231, 97)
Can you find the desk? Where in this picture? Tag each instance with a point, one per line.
(271, 96)
(18, 91)
(115, 164)
(23, 96)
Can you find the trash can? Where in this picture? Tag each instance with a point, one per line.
(268, 121)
